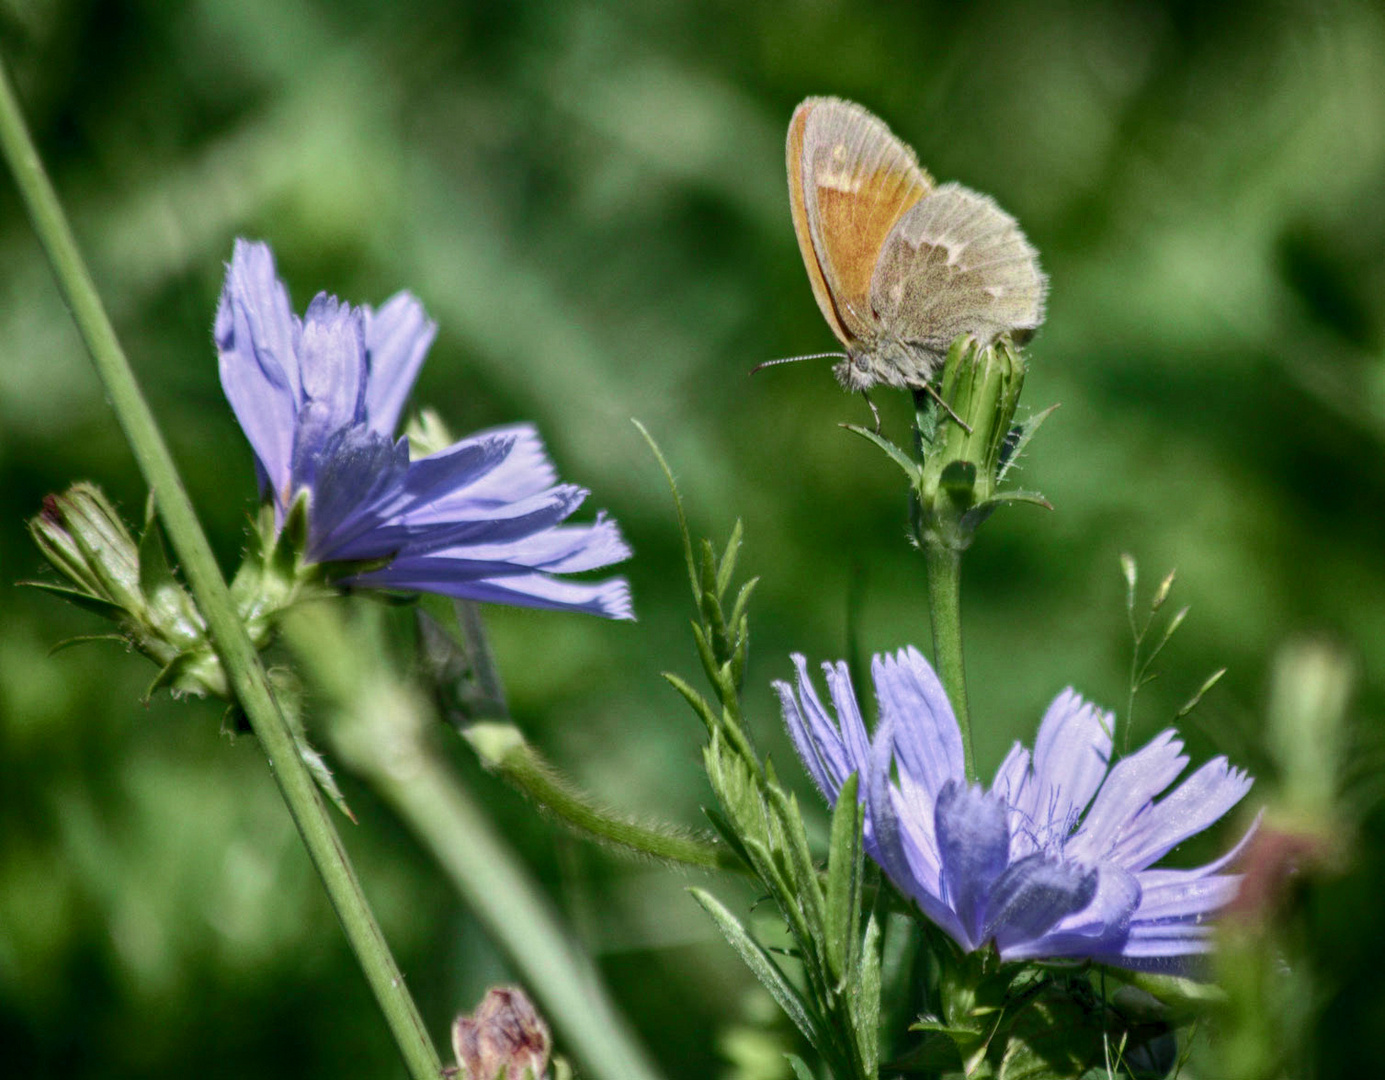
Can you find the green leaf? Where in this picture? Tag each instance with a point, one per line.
(799, 1067)
(843, 878)
(155, 573)
(803, 875)
(693, 698)
(759, 962)
(936, 1052)
(728, 835)
(1026, 429)
(865, 1003)
(727, 566)
(677, 507)
(911, 468)
(1052, 1038)
(1033, 498)
(85, 639)
(742, 599)
(86, 601)
(1186, 999)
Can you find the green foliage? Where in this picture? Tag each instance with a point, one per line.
(837, 1008)
(590, 200)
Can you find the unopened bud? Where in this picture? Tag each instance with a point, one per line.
(504, 1039)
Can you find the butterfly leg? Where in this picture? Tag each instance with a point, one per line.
(928, 389)
(873, 411)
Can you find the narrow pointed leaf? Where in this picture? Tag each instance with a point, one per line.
(843, 881)
(899, 457)
(727, 566)
(677, 506)
(765, 969)
(865, 1003)
(799, 1067)
(693, 698)
(86, 601)
(1026, 429)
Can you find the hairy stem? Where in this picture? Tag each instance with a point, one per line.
(233, 646)
(503, 748)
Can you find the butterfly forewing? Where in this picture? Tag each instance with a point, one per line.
(856, 181)
(801, 229)
(956, 263)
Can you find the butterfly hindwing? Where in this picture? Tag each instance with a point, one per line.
(956, 263)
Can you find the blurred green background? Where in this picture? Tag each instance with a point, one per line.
(590, 200)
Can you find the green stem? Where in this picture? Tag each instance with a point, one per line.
(503, 748)
(237, 654)
(385, 732)
(945, 607)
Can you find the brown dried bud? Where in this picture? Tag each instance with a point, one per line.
(505, 1039)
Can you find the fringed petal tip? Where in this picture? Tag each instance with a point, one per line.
(482, 519)
(1051, 861)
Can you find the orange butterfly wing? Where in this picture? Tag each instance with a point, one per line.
(850, 180)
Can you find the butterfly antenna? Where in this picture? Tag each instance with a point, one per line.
(796, 359)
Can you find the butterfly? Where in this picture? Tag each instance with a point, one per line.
(900, 266)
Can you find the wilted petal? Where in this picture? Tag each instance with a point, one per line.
(397, 338)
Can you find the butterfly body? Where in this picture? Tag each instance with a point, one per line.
(900, 266)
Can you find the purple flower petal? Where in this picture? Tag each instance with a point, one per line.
(1071, 755)
(1129, 788)
(928, 740)
(483, 519)
(1031, 896)
(258, 361)
(1020, 866)
(1197, 803)
(397, 338)
(974, 842)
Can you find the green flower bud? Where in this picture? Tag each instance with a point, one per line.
(130, 583)
(967, 440)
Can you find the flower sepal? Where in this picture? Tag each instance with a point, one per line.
(130, 583)
(966, 441)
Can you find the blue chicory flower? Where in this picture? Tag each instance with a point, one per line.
(320, 398)
(1054, 860)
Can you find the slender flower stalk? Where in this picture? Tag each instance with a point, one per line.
(381, 728)
(1056, 859)
(945, 614)
(244, 670)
